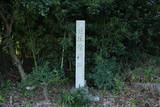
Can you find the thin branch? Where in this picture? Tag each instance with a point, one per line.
(3, 18)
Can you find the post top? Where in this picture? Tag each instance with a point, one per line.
(80, 20)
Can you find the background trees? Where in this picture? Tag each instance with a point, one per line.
(118, 32)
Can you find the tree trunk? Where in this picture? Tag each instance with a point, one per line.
(8, 25)
(16, 61)
(12, 53)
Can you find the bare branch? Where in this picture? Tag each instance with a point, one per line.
(3, 18)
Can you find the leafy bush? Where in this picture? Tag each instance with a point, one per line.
(74, 98)
(42, 74)
(41, 77)
(2, 98)
(104, 73)
(118, 86)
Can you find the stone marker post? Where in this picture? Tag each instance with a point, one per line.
(80, 54)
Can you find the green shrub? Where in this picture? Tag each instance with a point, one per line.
(104, 73)
(118, 85)
(41, 77)
(74, 99)
(42, 74)
(2, 98)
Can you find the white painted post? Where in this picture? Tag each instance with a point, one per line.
(80, 53)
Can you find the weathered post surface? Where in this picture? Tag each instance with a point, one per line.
(80, 54)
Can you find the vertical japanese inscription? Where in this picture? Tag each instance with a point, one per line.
(80, 53)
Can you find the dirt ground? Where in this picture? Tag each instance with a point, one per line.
(130, 96)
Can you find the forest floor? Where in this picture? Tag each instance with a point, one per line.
(129, 96)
